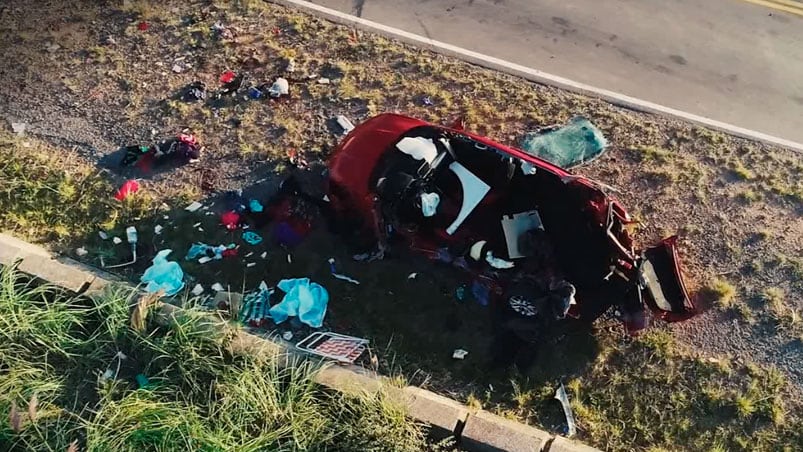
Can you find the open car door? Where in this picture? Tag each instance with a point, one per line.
(662, 283)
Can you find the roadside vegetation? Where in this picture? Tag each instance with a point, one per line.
(82, 373)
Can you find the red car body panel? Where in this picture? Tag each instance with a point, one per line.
(352, 164)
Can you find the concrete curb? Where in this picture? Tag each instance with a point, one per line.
(475, 430)
(535, 75)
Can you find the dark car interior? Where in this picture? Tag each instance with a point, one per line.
(567, 240)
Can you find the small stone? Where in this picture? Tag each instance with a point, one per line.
(177, 68)
(81, 252)
(19, 128)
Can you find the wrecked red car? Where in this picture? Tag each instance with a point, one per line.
(504, 215)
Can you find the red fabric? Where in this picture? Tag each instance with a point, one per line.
(129, 187)
(231, 252)
(143, 26)
(231, 220)
(227, 76)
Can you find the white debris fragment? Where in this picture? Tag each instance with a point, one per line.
(250, 264)
(200, 229)
(344, 124)
(204, 260)
(264, 255)
(326, 198)
(263, 286)
(291, 65)
(412, 275)
(19, 128)
(324, 81)
(108, 375)
(177, 68)
(166, 217)
(289, 259)
(194, 206)
(217, 287)
(117, 240)
(281, 87)
(459, 354)
(158, 229)
(287, 335)
(103, 235)
(197, 225)
(197, 290)
(81, 252)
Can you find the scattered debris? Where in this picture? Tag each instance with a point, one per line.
(217, 287)
(459, 354)
(255, 206)
(304, 299)
(250, 264)
(81, 252)
(163, 275)
(221, 31)
(256, 306)
(252, 238)
(131, 237)
(338, 275)
(427, 101)
(344, 124)
(143, 26)
(177, 68)
(228, 77)
(128, 188)
(291, 65)
(412, 275)
(264, 255)
(571, 426)
(194, 92)
(142, 381)
(157, 230)
(184, 148)
(339, 347)
(231, 82)
(287, 335)
(19, 128)
(193, 207)
(568, 146)
(324, 81)
(279, 88)
(231, 220)
(197, 290)
(207, 252)
(103, 235)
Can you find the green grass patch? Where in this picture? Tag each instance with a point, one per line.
(46, 195)
(200, 396)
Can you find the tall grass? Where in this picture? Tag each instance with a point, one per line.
(201, 397)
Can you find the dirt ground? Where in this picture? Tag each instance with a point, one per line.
(91, 77)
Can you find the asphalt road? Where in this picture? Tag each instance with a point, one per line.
(734, 61)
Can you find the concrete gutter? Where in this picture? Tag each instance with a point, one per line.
(475, 430)
(534, 75)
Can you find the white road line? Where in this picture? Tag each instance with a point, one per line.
(535, 75)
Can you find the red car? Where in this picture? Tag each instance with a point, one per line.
(504, 215)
